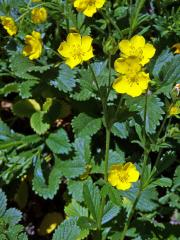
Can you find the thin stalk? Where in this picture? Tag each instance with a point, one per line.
(146, 154)
(103, 202)
(160, 152)
(106, 16)
(109, 82)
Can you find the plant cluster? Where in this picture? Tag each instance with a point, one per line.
(89, 107)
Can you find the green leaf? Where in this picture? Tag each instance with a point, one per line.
(74, 209)
(147, 201)
(82, 148)
(66, 79)
(165, 57)
(38, 124)
(26, 107)
(169, 75)
(68, 230)
(3, 203)
(154, 110)
(20, 66)
(72, 168)
(92, 199)
(25, 88)
(58, 142)
(75, 188)
(12, 216)
(113, 193)
(110, 211)
(120, 130)
(84, 125)
(9, 88)
(176, 178)
(162, 182)
(86, 223)
(49, 189)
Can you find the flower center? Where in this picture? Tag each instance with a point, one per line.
(77, 51)
(123, 176)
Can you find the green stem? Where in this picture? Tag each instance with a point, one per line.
(106, 16)
(109, 82)
(146, 154)
(103, 202)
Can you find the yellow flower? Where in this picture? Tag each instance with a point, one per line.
(132, 80)
(33, 48)
(132, 85)
(38, 15)
(128, 66)
(122, 176)
(76, 49)
(175, 109)
(88, 7)
(177, 46)
(136, 47)
(9, 24)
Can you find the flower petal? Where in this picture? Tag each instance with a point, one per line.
(90, 10)
(86, 43)
(125, 47)
(137, 41)
(64, 49)
(74, 38)
(123, 185)
(99, 3)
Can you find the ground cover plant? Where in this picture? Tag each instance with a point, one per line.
(89, 119)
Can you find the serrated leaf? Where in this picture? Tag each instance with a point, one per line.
(82, 148)
(162, 182)
(86, 223)
(9, 88)
(49, 189)
(26, 107)
(75, 188)
(165, 57)
(72, 168)
(20, 66)
(147, 201)
(113, 193)
(74, 209)
(3, 203)
(92, 199)
(66, 79)
(110, 211)
(12, 216)
(68, 230)
(120, 130)
(58, 142)
(25, 88)
(169, 75)
(37, 122)
(154, 110)
(84, 125)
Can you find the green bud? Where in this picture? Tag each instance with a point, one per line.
(110, 46)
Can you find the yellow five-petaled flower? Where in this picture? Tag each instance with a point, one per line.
(136, 47)
(88, 7)
(76, 49)
(9, 24)
(33, 48)
(122, 176)
(38, 15)
(132, 80)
